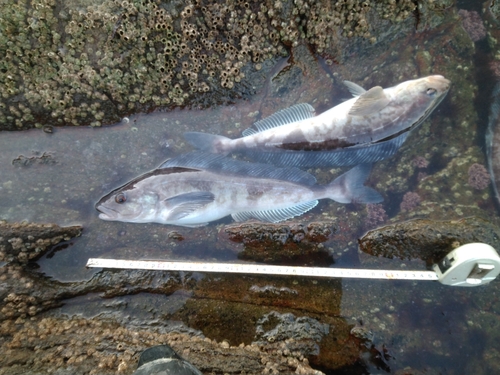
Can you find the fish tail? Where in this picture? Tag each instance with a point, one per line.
(215, 144)
(349, 187)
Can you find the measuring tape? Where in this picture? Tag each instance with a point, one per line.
(468, 265)
(260, 269)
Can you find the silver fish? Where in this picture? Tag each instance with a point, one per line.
(367, 128)
(197, 188)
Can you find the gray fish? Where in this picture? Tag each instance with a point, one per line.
(163, 360)
(367, 128)
(493, 142)
(197, 188)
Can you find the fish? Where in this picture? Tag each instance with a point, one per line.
(370, 127)
(196, 188)
(492, 138)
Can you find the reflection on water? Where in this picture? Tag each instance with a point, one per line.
(381, 326)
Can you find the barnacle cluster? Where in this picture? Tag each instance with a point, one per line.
(22, 242)
(397, 10)
(348, 16)
(99, 347)
(15, 305)
(71, 65)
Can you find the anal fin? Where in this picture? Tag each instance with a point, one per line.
(274, 216)
(368, 153)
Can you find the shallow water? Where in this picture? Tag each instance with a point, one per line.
(58, 177)
(85, 164)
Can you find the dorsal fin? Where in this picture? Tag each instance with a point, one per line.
(220, 163)
(286, 116)
(354, 89)
(370, 102)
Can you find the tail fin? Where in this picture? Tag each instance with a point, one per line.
(349, 187)
(207, 142)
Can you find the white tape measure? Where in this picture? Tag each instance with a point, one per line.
(469, 265)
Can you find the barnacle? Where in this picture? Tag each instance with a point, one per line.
(57, 63)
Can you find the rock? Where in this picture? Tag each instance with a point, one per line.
(22, 242)
(282, 242)
(225, 307)
(97, 347)
(429, 240)
(287, 326)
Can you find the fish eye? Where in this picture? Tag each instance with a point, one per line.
(430, 91)
(120, 198)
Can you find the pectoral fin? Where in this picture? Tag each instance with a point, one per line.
(370, 102)
(354, 89)
(183, 205)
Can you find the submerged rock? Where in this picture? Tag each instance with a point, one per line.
(229, 309)
(282, 242)
(429, 240)
(287, 326)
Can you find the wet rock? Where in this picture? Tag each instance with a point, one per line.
(287, 326)
(493, 7)
(276, 243)
(225, 307)
(22, 242)
(429, 240)
(322, 296)
(363, 333)
(25, 292)
(228, 307)
(93, 346)
(430, 14)
(87, 65)
(26, 161)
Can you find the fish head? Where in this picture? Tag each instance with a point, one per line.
(131, 203)
(421, 95)
(145, 199)
(430, 88)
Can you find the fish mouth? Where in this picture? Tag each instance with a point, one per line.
(440, 97)
(443, 88)
(441, 84)
(106, 213)
(427, 112)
